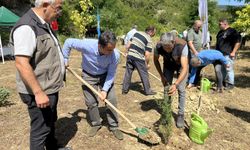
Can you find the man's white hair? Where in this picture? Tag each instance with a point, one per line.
(40, 2)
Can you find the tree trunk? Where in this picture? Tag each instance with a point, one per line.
(165, 128)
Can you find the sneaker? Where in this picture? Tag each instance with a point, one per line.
(118, 134)
(180, 121)
(93, 130)
(229, 87)
(151, 93)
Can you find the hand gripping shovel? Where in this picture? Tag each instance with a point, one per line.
(143, 133)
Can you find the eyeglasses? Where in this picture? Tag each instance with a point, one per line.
(58, 9)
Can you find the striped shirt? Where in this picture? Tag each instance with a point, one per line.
(140, 43)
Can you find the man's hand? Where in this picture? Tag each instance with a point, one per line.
(103, 95)
(42, 100)
(196, 53)
(232, 55)
(66, 65)
(164, 81)
(172, 90)
(148, 66)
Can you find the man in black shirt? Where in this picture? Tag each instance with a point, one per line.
(228, 42)
(175, 58)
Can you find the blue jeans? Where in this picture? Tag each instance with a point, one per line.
(169, 74)
(228, 73)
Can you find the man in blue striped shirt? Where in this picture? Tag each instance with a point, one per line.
(138, 56)
(99, 64)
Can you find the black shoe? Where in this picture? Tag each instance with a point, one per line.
(124, 92)
(229, 87)
(151, 93)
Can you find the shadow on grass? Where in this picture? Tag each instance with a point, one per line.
(66, 127)
(244, 115)
(242, 81)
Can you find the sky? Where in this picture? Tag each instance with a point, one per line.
(230, 2)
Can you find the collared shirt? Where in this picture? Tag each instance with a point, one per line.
(92, 61)
(129, 36)
(207, 57)
(140, 42)
(26, 46)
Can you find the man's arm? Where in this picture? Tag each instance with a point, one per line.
(147, 57)
(236, 47)
(69, 44)
(29, 78)
(110, 75)
(158, 68)
(192, 48)
(184, 71)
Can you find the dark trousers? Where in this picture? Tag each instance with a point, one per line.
(140, 65)
(42, 122)
(219, 75)
(97, 81)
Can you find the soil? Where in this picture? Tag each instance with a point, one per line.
(227, 113)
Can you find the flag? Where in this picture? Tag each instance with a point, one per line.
(203, 14)
(98, 23)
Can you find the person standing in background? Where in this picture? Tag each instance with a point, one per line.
(195, 45)
(228, 42)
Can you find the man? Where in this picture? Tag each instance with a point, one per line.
(228, 42)
(204, 58)
(195, 44)
(41, 70)
(138, 57)
(175, 57)
(99, 64)
(129, 36)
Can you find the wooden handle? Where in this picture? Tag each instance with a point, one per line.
(97, 93)
(148, 71)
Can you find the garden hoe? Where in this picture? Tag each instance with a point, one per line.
(143, 133)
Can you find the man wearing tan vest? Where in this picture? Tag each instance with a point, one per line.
(41, 69)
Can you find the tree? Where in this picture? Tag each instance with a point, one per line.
(82, 18)
(242, 22)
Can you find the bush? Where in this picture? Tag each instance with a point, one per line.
(4, 95)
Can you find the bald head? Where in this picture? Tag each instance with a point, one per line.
(197, 25)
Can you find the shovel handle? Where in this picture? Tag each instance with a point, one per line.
(148, 71)
(97, 93)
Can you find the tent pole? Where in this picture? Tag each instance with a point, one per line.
(1, 47)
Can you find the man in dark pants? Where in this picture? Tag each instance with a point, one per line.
(175, 56)
(228, 42)
(41, 70)
(99, 64)
(138, 55)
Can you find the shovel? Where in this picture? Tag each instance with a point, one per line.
(143, 133)
(148, 71)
